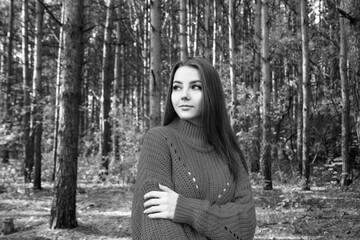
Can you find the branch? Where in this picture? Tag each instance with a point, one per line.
(49, 12)
(353, 20)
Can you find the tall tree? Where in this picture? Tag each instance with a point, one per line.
(63, 207)
(27, 140)
(190, 12)
(255, 165)
(207, 39)
(116, 91)
(146, 64)
(196, 28)
(9, 77)
(106, 79)
(345, 114)
(155, 62)
(265, 160)
(355, 54)
(306, 96)
(215, 30)
(57, 94)
(232, 62)
(37, 94)
(299, 105)
(9, 65)
(183, 28)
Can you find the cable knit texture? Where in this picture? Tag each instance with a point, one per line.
(210, 204)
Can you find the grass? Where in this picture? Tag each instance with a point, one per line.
(103, 211)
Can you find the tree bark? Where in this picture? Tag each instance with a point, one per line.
(155, 53)
(354, 53)
(306, 97)
(37, 94)
(27, 140)
(146, 63)
(232, 64)
(183, 34)
(255, 161)
(265, 160)
(8, 78)
(105, 126)
(63, 207)
(190, 12)
(215, 31)
(9, 65)
(116, 94)
(196, 28)
(207, 39)
(299, 105)
(345, 114)
(57, 93)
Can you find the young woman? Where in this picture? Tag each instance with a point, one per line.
(192, 177)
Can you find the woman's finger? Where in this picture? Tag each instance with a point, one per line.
(165, 188)
(157, 212)
(153, 209)
(153, 194)
(158, 215)
(153, 202)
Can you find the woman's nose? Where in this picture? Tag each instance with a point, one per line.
(185, 95)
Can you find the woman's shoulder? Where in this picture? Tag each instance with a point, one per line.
(158, 139)
(160, 132)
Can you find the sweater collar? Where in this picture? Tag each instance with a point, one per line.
(191, 132)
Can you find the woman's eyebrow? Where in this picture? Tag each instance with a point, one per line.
(196, 81)
(192, 82)
(177, 81)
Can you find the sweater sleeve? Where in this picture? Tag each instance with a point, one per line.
(154, 167)
(232, 220)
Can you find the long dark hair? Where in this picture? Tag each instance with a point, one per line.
(214, 118)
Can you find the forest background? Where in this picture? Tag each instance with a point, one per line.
(82, 81)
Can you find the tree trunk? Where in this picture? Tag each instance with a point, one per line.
(63, 207)
(190, 12)
(207, 38)
(255, 156)
(255, 159)
(265, 160)
(105, 126)
(299, 120)
(9, 65)
(155, 53)
(306, 97)
(215, 30)
(146, 56)
(37, 93)
(196, 28)
(28, 143)
(183, 34)
(57, 94)
(345, 115)
(116, 94)
(8, 78)
(2, 71)
(354, 53)
(299, 106)
(232, 64)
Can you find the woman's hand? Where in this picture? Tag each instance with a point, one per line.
(161, 204)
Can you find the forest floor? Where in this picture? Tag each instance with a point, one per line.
(103, 212)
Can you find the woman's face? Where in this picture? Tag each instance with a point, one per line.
(187, 94)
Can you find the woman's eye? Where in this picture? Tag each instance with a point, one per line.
(176, 87)
(196, 87)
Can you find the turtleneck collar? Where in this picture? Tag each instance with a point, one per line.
(194, 135)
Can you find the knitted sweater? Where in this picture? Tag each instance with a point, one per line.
(210, 204)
